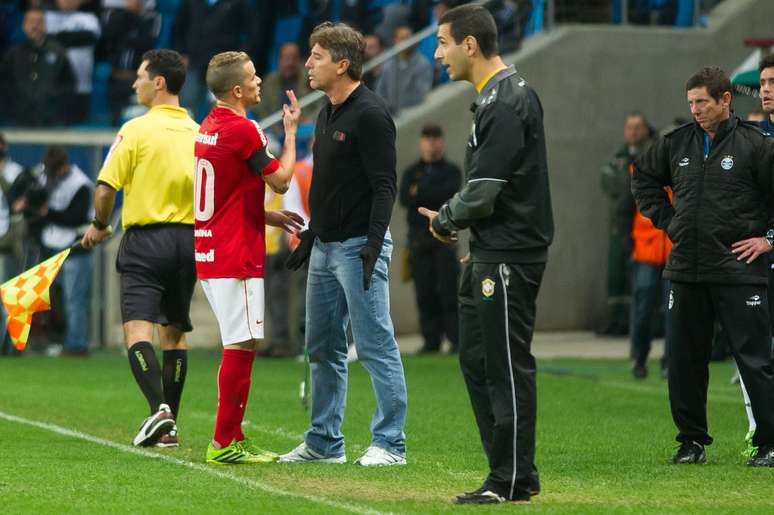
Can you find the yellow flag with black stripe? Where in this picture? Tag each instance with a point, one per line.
(28, 293)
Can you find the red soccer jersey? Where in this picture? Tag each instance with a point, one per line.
(229, 233)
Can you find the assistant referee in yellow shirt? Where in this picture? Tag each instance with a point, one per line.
(152, 161)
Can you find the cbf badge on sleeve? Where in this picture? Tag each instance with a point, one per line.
(487, 288)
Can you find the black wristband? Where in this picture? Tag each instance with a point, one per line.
(99, 225)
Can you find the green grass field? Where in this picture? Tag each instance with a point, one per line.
(603, 444)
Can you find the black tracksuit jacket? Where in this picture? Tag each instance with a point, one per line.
(505, 200)
(716, 202)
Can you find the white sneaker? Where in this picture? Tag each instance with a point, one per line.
(154, 426)
(303, 454)
(378, 457)
(351, 353)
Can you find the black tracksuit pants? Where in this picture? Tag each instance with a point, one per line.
(435, 270)
(743, 312)
(497, 317)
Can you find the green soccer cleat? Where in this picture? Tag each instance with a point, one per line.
(234, 454)
(254, 449)
(750, 450)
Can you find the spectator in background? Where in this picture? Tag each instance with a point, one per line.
(68, 210)
(297, 200)
(265, 17)
(276, 285)
(127, 34)
(36, 78)
(434, 268)
(78, 32)
(355, 13)
(756, 115)
(10, 242)
(615, 180)
(511, 18)
(290, 75)
(649, 251)
(394, 15)
(406, 79)
(203, 28)
(373, 47)
(12, 227)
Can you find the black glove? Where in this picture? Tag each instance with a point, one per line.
(298, 257)
(369, 255)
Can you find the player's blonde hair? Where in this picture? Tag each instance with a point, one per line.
(225, 71)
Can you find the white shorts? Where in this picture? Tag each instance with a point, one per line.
(238, 306)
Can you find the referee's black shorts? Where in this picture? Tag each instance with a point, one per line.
(158, 274)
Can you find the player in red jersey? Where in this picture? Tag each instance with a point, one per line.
(233, 166)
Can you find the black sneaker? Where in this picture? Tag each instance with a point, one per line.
(689, 452)
(154, 426)
(480, 497)
(639, 371)
(485, 496)
(763, 458)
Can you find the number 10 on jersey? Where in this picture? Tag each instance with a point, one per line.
(204, 190)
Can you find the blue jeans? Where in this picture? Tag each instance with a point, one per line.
(75, 278)
(335, 296)
(648, 290)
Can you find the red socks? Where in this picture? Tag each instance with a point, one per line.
(233, 389)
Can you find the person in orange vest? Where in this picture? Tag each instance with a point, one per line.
(649, 251)
(297, 199)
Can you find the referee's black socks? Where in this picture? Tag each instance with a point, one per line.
(175, 365)
(147, 373)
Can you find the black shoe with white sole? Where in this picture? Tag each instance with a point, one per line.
(482, 496)
(689, 453)
(154, 427)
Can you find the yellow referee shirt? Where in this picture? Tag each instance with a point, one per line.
(152, 160)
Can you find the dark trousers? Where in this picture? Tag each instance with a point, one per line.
(648, 293)
(618, 286)
(497, 317)
(435, 270)
(743, 312)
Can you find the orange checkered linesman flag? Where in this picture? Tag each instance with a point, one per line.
(28, 293)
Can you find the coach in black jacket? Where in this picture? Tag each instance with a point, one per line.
(721, 171)
(505, 202)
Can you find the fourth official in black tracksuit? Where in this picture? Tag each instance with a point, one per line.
(505, 202)
(722, 194)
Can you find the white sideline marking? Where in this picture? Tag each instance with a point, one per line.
(250, 483)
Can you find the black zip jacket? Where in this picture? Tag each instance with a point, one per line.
(505, 199)
(353, 182)
(716, 202)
